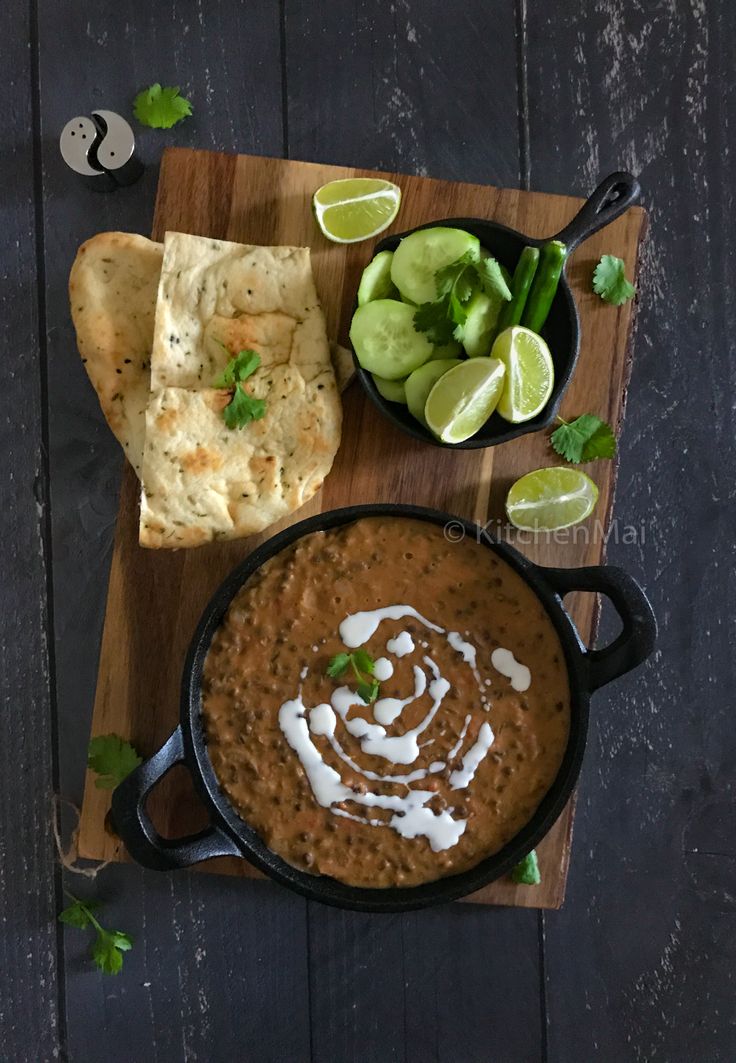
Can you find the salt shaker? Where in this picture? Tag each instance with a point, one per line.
(101, 150)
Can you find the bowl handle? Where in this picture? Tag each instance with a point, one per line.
(613, 196)
(639, 626)
(132, 822)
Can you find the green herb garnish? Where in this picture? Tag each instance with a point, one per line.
(368, 691)
(492, 279)
(609, 281)
(242, 408)
(584, 439)
(456, 284)
(109, 945)
(112, 758)
(160, 108)
(362, 665)
(527, 873)
(243, 365)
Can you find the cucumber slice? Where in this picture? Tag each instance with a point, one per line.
(453, 349)
(480, 324)
(420, 255)
(419, 384)
(391, 390)
(376, 281)
(385, 341)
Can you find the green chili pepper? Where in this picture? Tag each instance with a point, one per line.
(544, 285)
(526, 267)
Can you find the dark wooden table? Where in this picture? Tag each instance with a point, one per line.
(639, 963)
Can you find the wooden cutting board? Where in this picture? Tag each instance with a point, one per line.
(155, 597)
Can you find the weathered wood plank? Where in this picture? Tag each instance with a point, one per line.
(412, 86)
(213, 960)
(29, 1025)
(650, 908)
(457, 983)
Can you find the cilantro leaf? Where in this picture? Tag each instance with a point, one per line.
(243, 408)
(609, 281)
(160, 108)
(584, 439)
(446, 278)
(492, 279)
(526, 873)
(362, 665)
(601, 444)
(108, 949)
(457, 283)
(78, 914)
(363, 662)
(368, 691)
(457, 313)
(338, 664)
(108, 946)
(243, 365)
(112, 758)
(434, 319)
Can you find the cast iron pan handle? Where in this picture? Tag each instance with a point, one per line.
(639, 631)
(614, 195)
(133, 824)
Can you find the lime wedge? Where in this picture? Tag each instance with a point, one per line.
(530, 374)
(355, 208)
(549, 499)
(464, 398)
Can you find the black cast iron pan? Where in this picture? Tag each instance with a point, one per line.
(611, 199)
(229, 835)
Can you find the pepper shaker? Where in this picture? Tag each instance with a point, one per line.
(101, 150)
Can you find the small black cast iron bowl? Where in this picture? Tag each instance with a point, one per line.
(230, 835)
(611, 199)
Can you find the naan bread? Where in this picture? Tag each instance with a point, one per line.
(200, 479)
(112, 292)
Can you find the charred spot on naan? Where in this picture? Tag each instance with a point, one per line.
(270, 335)
(201, 460)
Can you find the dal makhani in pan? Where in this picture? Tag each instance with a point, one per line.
(384, 706)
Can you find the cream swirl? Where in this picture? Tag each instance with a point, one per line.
(411, 814)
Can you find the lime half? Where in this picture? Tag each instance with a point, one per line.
(464, 398)
(355, 208)
(530, 374)
(550, 499)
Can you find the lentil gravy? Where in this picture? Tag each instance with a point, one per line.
(465, 736)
